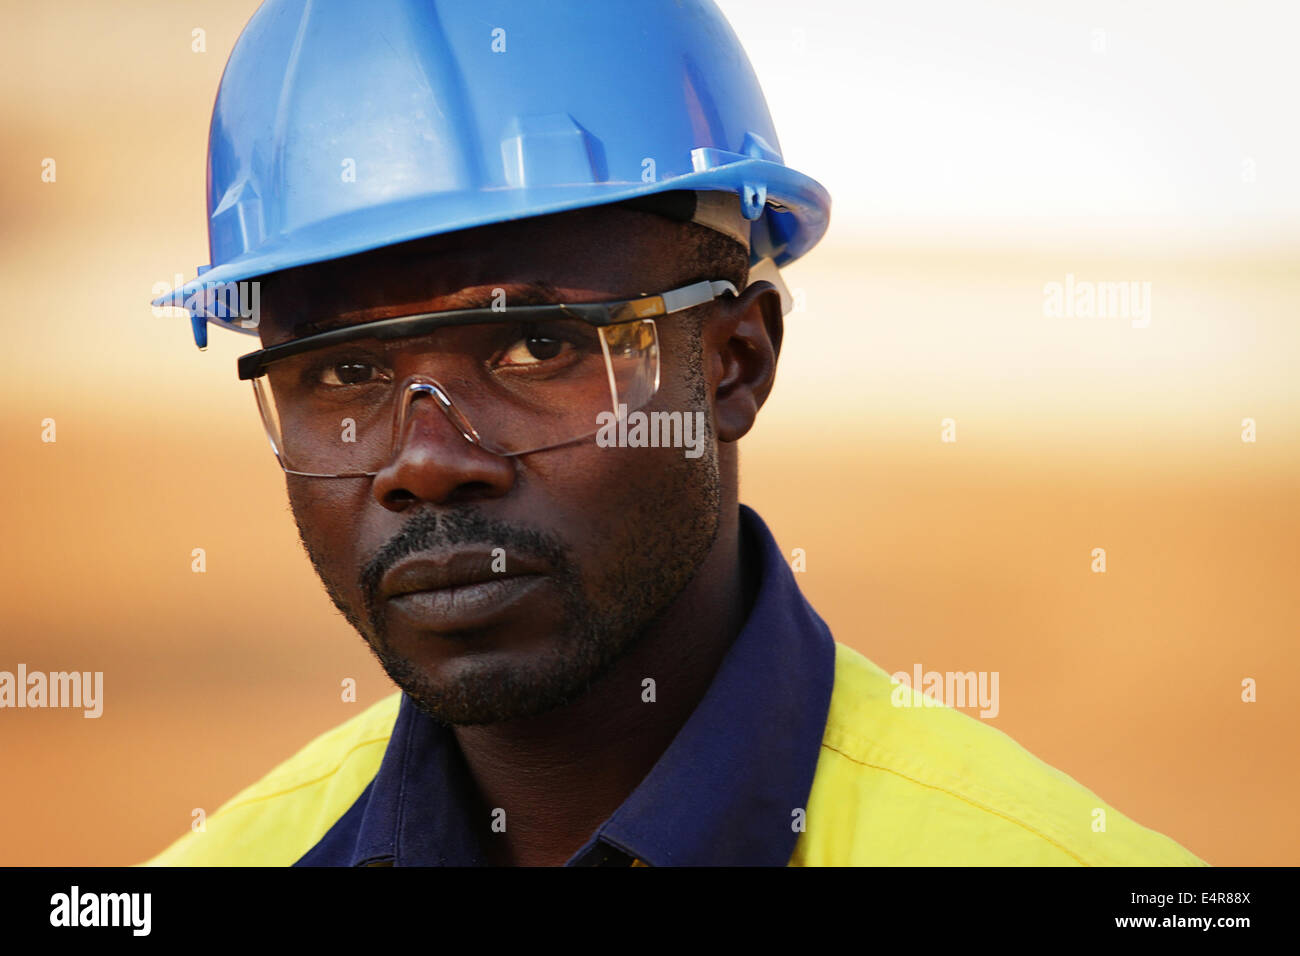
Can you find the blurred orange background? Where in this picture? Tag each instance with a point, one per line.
(1072, 434)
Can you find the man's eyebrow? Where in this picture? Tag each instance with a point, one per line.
(537, 292)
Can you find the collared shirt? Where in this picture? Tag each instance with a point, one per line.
(725, 792)
(763, 772)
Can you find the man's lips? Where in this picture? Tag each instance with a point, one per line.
(449, 570)
(458, 590)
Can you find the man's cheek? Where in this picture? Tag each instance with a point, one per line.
(328, 527)
(586, 497)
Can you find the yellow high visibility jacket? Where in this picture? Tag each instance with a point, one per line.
(803, 752)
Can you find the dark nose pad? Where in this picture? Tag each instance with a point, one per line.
(433, 395)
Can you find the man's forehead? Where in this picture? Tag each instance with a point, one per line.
(531, 262)
(319, 314)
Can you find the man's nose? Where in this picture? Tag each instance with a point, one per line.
(433, 460)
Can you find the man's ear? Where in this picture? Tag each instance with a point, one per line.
(742, 344)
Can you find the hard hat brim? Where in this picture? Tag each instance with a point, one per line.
(794, 217)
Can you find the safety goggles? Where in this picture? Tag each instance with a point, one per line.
(339, 404)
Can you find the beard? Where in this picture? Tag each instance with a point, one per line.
(665, 538)
(594, 635)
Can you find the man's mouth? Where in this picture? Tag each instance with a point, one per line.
(459, 590)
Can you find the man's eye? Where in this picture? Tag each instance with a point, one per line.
(349, 373)
(532, 349)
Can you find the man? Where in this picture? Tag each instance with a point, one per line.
(514, 322)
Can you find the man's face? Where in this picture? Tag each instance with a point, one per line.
(597, 540)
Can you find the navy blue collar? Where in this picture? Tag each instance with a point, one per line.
(725, 792)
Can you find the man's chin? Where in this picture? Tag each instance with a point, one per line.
(484, 689)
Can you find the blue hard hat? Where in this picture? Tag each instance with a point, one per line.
(343, 127)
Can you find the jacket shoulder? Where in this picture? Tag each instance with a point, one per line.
(276, 820)
(901, 783)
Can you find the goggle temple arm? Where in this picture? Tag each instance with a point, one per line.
(688, 297)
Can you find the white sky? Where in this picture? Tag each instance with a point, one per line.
(960, 119)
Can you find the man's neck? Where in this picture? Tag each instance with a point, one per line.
(560, 775)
